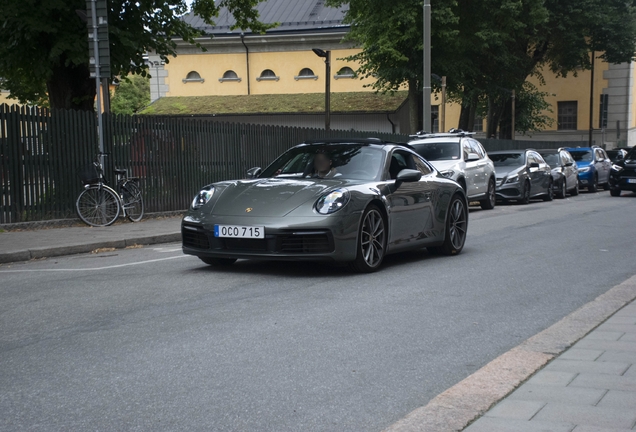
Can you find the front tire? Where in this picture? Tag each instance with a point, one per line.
(133, 201)
(489, 202)
(98, 206)
(372, 240)
(564, 190)
(593, 188)
(525, 194)
(549, 196)
(615, 192)
(456, 228)
(575, 191)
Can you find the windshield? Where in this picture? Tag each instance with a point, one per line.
(438, 151)
(508, 159)
(582, 156)
(551, 159)
(615, 155)
(341, 161)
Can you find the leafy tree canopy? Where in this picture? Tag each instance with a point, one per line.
(131, 96)
(44, 44)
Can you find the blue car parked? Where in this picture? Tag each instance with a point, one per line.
(594, 167)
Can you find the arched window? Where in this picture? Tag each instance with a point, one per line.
(306, 73)
(230, 75)
(268, 75)
(345, 72)
(193, 76)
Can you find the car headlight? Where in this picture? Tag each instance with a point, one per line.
(584, 169)
(203, 197)
(513, 179)
(617, 168)
(448, 173)
(333, 201)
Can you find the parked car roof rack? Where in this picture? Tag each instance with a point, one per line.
(450, 134)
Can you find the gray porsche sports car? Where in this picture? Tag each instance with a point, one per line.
(351, 200)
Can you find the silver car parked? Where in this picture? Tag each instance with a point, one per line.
(458, 156)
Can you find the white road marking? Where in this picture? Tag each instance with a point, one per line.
(93, 268)
(163, 250)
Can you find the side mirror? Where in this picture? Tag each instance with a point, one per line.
(252, 173)
(472, 157)
(408, 176)
(534, 165)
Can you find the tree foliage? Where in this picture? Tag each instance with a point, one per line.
(487, 48)
(131, 96)
(44, 44)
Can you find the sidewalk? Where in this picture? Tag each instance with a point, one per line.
(41, 243)
(590, 387)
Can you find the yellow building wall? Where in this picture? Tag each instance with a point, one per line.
(286, 65)
(574, 88)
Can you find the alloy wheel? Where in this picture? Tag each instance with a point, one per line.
(457, 229)
(372, 240)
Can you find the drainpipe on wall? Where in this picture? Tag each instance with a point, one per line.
(247, 61)
(388, 117)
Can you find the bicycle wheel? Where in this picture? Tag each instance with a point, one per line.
(98, 206)
(133, 201)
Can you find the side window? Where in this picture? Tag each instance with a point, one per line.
(532, 159)
(599, 154)
(421, 165)
(399, 160)
(477, 148)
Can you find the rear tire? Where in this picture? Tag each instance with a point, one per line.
(606, 186)
(98, 206)
(593, 188)
(456, 228)
(489, 202)
(218, 262)
(615, 192)
(372, 240)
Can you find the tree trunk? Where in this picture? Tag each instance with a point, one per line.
(471, 116)
(71, 87)
(491, 123)
(413, 107)
(464, 117)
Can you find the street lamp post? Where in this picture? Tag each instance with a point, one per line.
(426, 81)
(327, 56)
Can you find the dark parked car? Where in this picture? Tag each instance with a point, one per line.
(623, 175)
(565, 174)
(346, 200)
(522, 175)
(617, 154)
(594, 167)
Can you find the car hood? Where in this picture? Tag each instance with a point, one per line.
(443, 165)
(505, 171)
(271, 197)
(584, 164)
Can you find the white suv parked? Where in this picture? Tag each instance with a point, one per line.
(460, 157)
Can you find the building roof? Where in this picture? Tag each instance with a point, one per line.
(292, 16)
(307, 103)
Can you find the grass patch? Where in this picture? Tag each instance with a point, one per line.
(306, 103)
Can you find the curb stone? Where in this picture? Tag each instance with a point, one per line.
(49, 252)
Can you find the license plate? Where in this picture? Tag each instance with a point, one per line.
(631, 180)
(239, 231)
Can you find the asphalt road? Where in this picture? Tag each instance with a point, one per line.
(150, 339)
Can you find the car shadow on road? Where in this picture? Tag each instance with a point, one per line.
(305, 269)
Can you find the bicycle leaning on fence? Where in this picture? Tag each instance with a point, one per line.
(101, 205)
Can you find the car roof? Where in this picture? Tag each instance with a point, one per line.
(549, 151)
(436, 140)
(363, 141)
